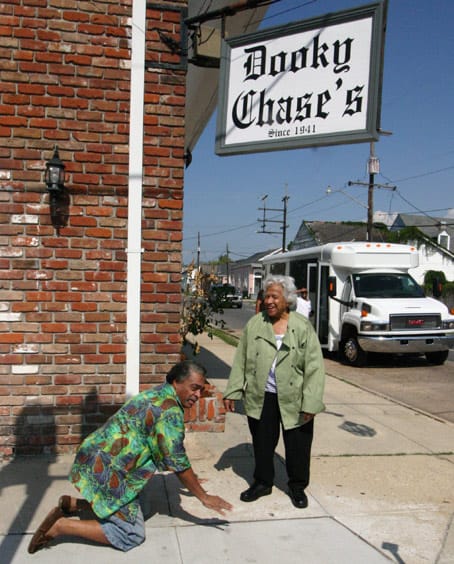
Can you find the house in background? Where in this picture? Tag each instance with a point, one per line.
(246, 274)
(434, 239)
(438, 229)
(432, 236)
(313, 233)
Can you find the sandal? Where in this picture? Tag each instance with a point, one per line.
(65, 503)
(40, 539)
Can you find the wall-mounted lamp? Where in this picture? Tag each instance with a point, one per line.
(55, 175)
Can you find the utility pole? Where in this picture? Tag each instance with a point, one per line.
(227, 263)
(373, 166)
(283, 222)
(284, 226)
(198, 251)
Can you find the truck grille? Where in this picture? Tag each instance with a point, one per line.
(415, 322)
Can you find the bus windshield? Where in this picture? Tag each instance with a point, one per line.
(386, 286)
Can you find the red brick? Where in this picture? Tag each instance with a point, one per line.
(69, 400)
(54, 327)
(67, 379)
(78, 286)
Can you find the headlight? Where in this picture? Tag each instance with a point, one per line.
(371, 326)
(448, 324)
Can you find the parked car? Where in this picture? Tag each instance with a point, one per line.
(225, 295)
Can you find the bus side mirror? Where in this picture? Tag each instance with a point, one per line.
(332, 287)
(437, 287)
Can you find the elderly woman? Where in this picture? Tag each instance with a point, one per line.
(279, 373)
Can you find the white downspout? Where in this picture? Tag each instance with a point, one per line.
(134, 249)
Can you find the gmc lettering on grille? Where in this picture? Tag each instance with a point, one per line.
(415, 322)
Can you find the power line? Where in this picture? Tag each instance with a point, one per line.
(399, 193)
(297, 208)
(287, 10)
(400, 180)
(436, 210)
(412, 205)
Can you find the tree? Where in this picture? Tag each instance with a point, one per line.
(198, 314)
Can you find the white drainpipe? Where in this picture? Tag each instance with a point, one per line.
(134, 249)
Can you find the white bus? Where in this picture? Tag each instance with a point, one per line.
(364, 300)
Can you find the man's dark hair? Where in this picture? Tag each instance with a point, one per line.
(182, 370)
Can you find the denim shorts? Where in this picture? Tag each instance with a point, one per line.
(124, 535)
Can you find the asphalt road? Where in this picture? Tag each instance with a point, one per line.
(408, 380)
(411, 381)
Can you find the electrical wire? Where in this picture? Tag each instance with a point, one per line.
(400, 180)
(422, 175)
(287, 10)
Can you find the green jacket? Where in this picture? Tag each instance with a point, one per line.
(300, 371)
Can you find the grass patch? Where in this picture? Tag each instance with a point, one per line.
(226, 337)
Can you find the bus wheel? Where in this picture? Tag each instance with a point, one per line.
(352, 353)
(437, 357)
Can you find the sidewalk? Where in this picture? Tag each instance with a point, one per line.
(382, 490)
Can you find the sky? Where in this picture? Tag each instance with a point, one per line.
(223, 194)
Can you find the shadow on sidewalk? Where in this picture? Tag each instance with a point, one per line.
(216, 368)
(240, 459)
(34, 433)
(154, 503)
(34, 441)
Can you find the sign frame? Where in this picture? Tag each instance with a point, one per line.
(230, 137)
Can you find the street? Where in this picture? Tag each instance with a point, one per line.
(408, 380)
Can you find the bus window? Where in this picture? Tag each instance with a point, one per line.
(278, 268)
(386, 285)
(298, 270)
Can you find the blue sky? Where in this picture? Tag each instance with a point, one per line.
(223, 194)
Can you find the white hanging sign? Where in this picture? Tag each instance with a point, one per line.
(309, 83)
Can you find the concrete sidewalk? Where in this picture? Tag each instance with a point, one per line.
(382, 489)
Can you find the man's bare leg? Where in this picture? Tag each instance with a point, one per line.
(90, 530)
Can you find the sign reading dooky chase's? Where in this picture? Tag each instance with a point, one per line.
(310, 83)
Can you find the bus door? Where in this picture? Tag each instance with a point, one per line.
(323, 305)
(312, 291)
(309, 274)
(317, 277)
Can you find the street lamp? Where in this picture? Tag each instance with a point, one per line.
(329, 190)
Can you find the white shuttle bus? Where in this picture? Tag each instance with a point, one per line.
(364, 300)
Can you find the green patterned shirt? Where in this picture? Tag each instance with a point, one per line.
(114, 463)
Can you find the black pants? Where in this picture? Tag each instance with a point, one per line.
(265, 436)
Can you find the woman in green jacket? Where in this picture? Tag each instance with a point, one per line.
(278, 372)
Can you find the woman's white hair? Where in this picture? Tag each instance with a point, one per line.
(287, 284)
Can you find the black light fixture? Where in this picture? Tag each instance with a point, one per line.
(55, 175)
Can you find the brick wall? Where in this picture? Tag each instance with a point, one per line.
(208, 414)
(64, 80)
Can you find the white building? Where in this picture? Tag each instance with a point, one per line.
(435, 243)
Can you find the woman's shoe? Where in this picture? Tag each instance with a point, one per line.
(299, 498)
(255, 491)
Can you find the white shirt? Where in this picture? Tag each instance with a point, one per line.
(271, 382)
(303, 306)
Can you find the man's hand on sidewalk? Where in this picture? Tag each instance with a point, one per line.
(189, 479)
(216, 503)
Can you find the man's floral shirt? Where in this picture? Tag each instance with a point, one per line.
(114, 463)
